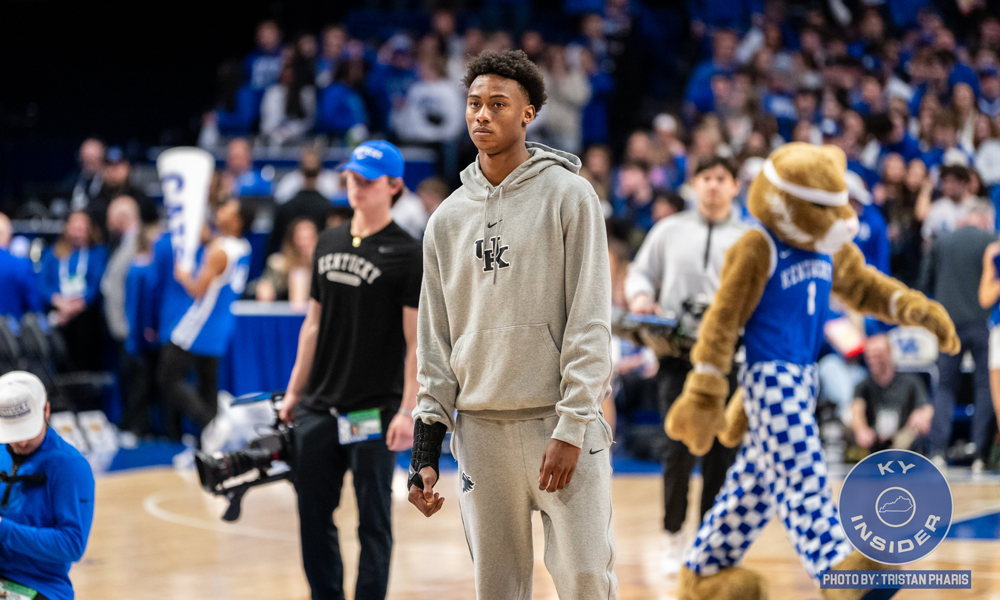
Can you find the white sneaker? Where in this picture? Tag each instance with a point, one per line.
(940, 462)
(977, 467)
(672, 558)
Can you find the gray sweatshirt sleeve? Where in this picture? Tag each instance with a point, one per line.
(646, 270)
(585, 357)
(438, 384)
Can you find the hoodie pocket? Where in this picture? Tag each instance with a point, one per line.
(507, 368)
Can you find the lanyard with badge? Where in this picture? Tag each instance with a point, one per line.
(12, 591)
(74, 286)
(358, 426)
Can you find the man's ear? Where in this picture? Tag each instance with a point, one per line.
(48, 411)
(529, 115)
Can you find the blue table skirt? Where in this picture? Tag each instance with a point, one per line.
(262, 353)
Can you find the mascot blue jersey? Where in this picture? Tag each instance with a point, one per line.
(207, 326)
(788, 322)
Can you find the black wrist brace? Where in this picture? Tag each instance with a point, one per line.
(427, 441)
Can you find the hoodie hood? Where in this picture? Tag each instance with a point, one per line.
(542, 157)
(476, 185)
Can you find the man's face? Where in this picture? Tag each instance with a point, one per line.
(497, 113)
(716, 188)
(238, 157)
(370, 193)
(990, 87)
(116, 174)
(268, 36)
(724, 47)
(92, 156)
(953, 187)
(878, 355)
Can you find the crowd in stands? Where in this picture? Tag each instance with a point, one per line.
(908, 89)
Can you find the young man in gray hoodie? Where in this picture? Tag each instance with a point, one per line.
(513, 343)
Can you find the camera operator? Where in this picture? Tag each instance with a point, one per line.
(354, 383)
(48, 495)
(680, 261)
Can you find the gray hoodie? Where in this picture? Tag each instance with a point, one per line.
(520, 323)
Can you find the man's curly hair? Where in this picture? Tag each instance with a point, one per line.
(511, 64)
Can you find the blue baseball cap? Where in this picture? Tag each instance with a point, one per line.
(374, 159)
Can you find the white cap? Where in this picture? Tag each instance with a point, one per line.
(857, 189)
(665, 122)
(22, 407)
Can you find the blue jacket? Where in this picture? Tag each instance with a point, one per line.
(20, 286)
(340, 108)
(44, 527)
(97, 259)
(873, 239)
(140, 311)
(246, 111)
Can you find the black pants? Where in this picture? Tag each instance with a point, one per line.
(975, 338)
(199, 405)
(319, 467)
(678, 460)
(138, 389)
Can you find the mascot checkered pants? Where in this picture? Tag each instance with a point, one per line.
(780, 468)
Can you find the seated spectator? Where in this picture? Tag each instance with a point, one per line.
(307, 203)
(724, 42)
(327, 180)
(141, 344)
(263, 66)
(890, 409)
(117, 181)
(950, 208)
(560, 124)
(595, 113)
(432, 191)
(890, 131)
(433, 110)
(288, 109)
(240, 178)
(71, 277)
(87, 184)
(237, 106)
(20, 287)
(333, 40)
(945, 142)
(963, 107)
(597, 170)
(669, 154)
(390, 78)
(286, 276)
(665, 204)
(989, 91)
(341, 112)
(871, 237)
(901, 186)
(632, 196)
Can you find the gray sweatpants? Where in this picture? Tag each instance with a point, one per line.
(498, 462)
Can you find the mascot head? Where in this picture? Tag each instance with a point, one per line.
(801, 196)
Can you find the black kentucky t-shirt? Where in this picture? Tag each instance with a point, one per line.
(361, 350)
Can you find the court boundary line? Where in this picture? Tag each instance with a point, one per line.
(151, 504)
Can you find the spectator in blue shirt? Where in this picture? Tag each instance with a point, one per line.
(334, 38)
(48, 498)
(263, 65)
(890, 130)
(699, 84)
(20, 286)
(341, 107)
(945, 140)
(237, 106)
(71, 282)
(240, 178)
(872, 237)
(595, 113)
(989, 91)
(390, 79)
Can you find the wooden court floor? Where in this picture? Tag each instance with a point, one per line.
(156, 535)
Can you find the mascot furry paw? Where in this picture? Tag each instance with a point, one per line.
(775, 287)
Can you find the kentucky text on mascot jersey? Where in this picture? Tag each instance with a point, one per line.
(896, 506)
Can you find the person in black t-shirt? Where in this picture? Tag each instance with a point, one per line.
(354, 384)
(890, 409)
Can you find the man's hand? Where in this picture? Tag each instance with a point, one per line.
(643, 304)
(920, 419)
(558, 465)
(426, 500)
(865, 436)
(400, 434)
(288, 403)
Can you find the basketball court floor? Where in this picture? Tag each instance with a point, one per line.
(157, 535)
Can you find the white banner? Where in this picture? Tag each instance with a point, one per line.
(185, 176)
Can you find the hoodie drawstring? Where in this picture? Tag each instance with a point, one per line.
(496, 248)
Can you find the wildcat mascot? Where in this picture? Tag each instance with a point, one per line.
(775, 289)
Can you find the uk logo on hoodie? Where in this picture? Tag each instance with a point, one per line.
(492, 257)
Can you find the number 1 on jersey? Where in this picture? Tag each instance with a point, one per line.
(811, 302)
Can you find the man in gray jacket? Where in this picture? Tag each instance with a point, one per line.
(514, 334)
(679, 263)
